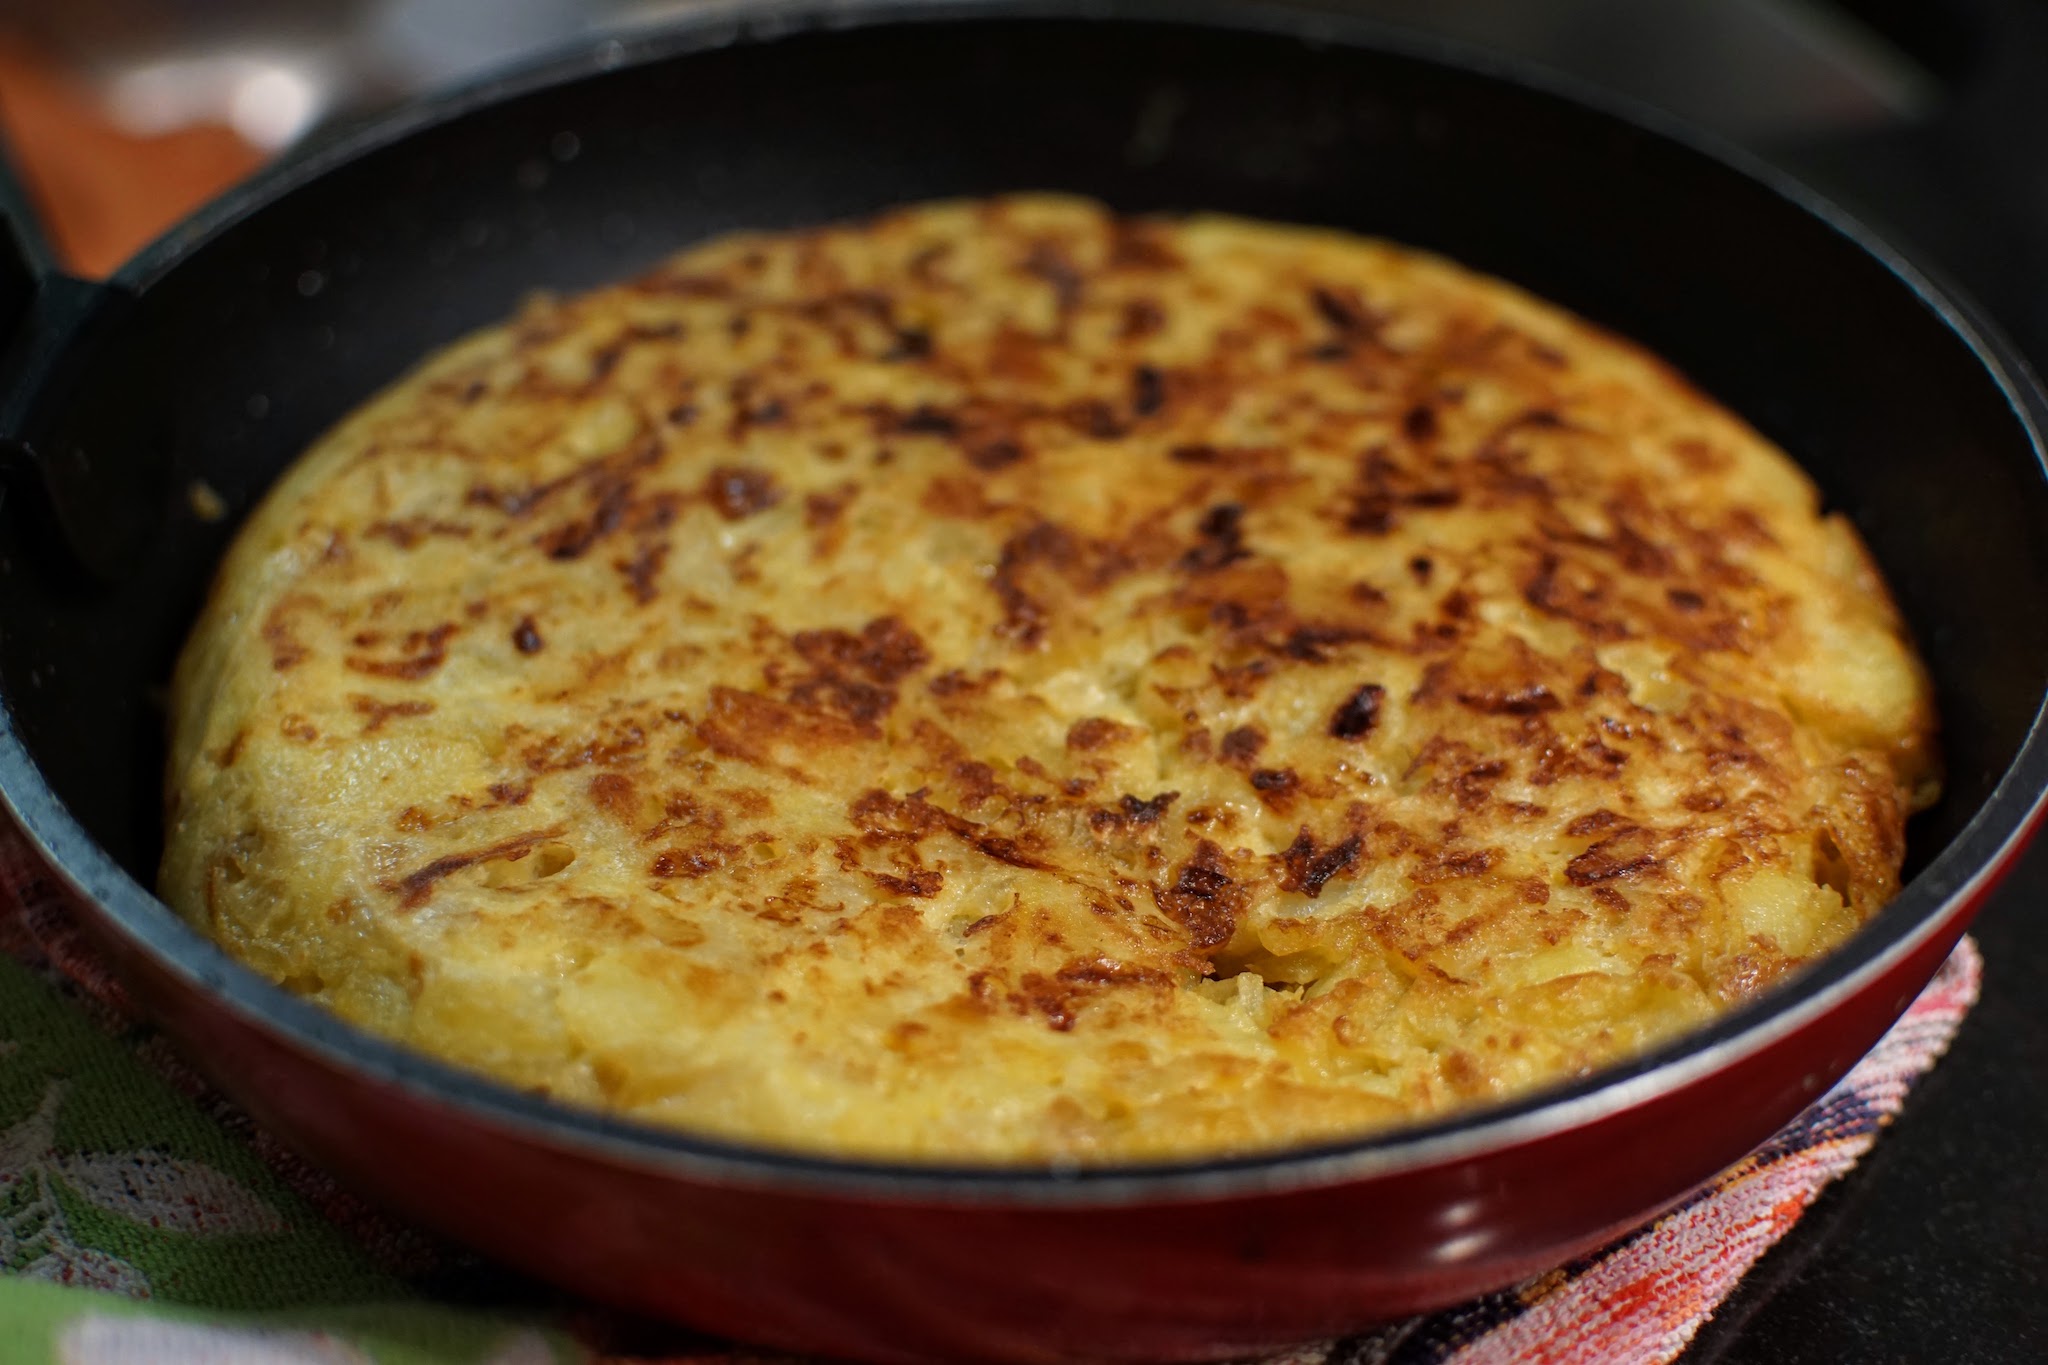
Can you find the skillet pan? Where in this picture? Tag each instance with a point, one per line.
(222, 350)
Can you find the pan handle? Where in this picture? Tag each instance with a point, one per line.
(104, 517)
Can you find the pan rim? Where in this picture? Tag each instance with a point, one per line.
(1944, 890)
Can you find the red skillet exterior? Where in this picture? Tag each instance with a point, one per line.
(896, 1280)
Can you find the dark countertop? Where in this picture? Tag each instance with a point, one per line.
(1935, 1248)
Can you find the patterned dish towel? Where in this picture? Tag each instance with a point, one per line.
(145, 1221)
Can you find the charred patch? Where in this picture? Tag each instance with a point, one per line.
(1472, 788)
(990, 456)
(921, 883)
(1574, 593)
(1356, 716)
(738, 493)
(956, 682)
(1241, 681)
(1141, 318)
(1131, 813)
(416, 888)
(1311, 644)
(925, 420)
(1529, 699)
(1455, 865)
(690, 863)
(1309, 867)
(860, 703)
(1060, 997)
(881, 816)
(1277, 787)
(1095, 419)
(885, 652)
(1024, 617)
(526, 637)
(1384, 489)
(1095, 732)
(1240, 747)
(757, 412)
(642, 570)
(908, 343)
(1203, 899)
(822, 511)
(1595, 822)
(1148, 390)
(1086, 563)
(1219, 540)
(1344, 312)
(1627, 853)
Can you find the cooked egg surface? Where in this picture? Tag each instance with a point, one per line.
(1007, 682)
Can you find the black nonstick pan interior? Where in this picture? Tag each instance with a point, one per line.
(253, 330)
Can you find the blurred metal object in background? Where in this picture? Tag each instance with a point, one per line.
(1747, 68)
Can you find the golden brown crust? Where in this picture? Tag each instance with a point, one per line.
(1008, 681)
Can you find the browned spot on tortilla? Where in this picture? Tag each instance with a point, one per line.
(920, 883)
(423, 651)
(912, 818)
(1241, 746)
(410, 531)
(1093, 732)
(286, 653)
(1142, 318)
(1132, 813)
(885, 652)
(1059, 998)
(1360, 711)
(1594, 822)
(1203, 899)
(375, 712)
(1052, 265)
(747, 725)
(1276, 787)
(1220, 540)
(739, 492)
(1627, 853)
(1310, 868)
(417, 887)
(642, 570)
(614, 794)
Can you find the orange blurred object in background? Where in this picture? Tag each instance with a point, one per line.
(104, 192)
